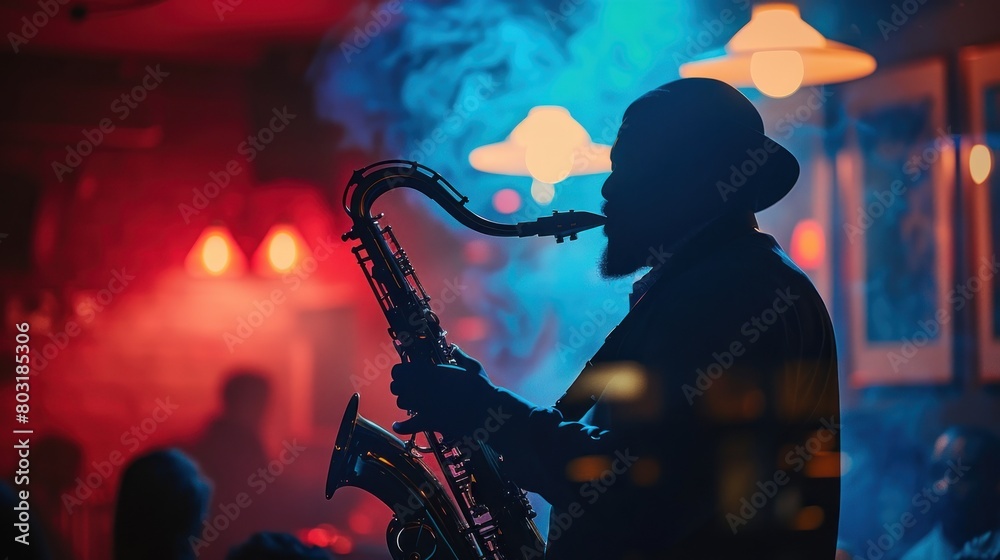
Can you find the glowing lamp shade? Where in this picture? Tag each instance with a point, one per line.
(280, 251)
(777, 53)
(548, 145)
(808, 244)
(215, 253)
(980, 163)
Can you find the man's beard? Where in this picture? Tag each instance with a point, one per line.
(617, 261)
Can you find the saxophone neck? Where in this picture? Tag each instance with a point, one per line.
(371, 182)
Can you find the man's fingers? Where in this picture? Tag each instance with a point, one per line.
(407, 402)
(412, 425)
(411, 374)
(462, 359)
(407, 379)
(404, 372)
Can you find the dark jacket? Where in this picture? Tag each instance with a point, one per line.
(714, 428)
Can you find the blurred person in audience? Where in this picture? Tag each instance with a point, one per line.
(56, 465)
(229, 450)
(277, 546)
(965, 480)
(162, 502)
(234, 436)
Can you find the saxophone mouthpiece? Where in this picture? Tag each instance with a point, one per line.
(561, 225)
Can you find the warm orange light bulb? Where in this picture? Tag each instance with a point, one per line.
(215, 254)
(282, 252)
(777, 73)
(980, 163)
(549, 163)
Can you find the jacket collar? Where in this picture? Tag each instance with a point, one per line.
(698, 244)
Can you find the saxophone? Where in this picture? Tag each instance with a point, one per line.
(485, 517)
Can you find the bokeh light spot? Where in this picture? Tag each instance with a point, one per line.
(506, 201)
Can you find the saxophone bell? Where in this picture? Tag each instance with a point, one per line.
(425, 521)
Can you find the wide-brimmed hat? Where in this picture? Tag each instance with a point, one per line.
(711, 136)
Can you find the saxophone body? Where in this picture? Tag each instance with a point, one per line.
(477, 514)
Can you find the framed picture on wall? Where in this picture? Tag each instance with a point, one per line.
(981, 186)
(896, 180)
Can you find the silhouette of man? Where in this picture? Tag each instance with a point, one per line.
(230, 450)
(162, 502)
(965, 473)
(707, 425)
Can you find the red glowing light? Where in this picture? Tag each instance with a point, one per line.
(808, 244)
(318, 536)
(215, 253)
(506, 201)
(341, 544)
(327, 536)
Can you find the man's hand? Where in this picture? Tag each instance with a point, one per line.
(450, 399)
